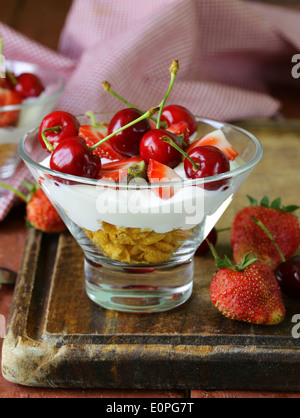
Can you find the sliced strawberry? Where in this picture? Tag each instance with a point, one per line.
(181, 128)
(116, 176)
(152, 124)
(94, 135)
(9, 98)
(160, 173)
(127, 169)
(216, 139)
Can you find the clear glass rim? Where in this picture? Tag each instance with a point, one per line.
(186, 182)
(38, 101)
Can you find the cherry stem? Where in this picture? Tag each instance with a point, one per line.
(212, 249)
(264, 228)
(224, 229)
(146, 115)
(12, 189)
(12, 77)
(169, 141)
(107, 87)
(173, 70)
(92, 116)
(48, 144)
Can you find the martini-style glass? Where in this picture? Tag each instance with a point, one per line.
(139, 248)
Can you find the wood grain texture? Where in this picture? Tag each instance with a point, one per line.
(42, 21)
(58, 338)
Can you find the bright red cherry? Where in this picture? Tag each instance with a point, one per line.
(288, 276)
(127, 142)
(204, 247)
(211, 161)
(153, 147)
(58, 126)
(72, 156)
(29, 85)
(174, 113)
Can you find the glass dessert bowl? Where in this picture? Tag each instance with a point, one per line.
(139, 238)
(20, 114)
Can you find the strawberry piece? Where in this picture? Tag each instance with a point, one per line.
(92, 135)
(160, 173)
(42, 215)
(181, 128)
(9, 98)
(248, 237)
(216, 139)
(248, 292)
(126, 169)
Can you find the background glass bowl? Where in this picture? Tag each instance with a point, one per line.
(31, 113)
(139, 249)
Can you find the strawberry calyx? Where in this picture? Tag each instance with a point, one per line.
(32, 189)
(227, 264)
(275, 204)
(17, 192)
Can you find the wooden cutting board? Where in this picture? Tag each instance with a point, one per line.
(57, 337)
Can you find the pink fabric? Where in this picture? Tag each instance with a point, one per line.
(228, 51)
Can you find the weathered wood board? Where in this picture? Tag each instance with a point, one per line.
(57, 337)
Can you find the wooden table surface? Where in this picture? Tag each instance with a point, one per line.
(25, 16)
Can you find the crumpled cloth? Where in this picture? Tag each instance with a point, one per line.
(228, 50)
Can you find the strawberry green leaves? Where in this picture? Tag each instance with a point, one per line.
(275, 204)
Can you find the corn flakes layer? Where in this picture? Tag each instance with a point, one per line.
(137, 246)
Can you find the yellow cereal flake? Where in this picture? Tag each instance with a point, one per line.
(137, 246)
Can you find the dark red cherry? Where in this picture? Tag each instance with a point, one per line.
(72, 156)
(153, 147)
(66, 126)
(127, 142)
(29, 85)
(288, 276)
(211, 161)
(204, 247)
(174, 113)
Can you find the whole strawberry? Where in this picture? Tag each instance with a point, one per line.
(248, 237)
(40, 213)
(248, 292)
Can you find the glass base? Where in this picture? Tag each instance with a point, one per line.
(139, 289)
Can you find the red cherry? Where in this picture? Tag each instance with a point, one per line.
(153, 147)
(288, 276)
(67, 124)
(174, 113)
(211, 161)
(127, 142)
(29, 85)
(72, 156)
(204, 247)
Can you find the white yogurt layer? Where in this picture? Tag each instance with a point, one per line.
(88, 206)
